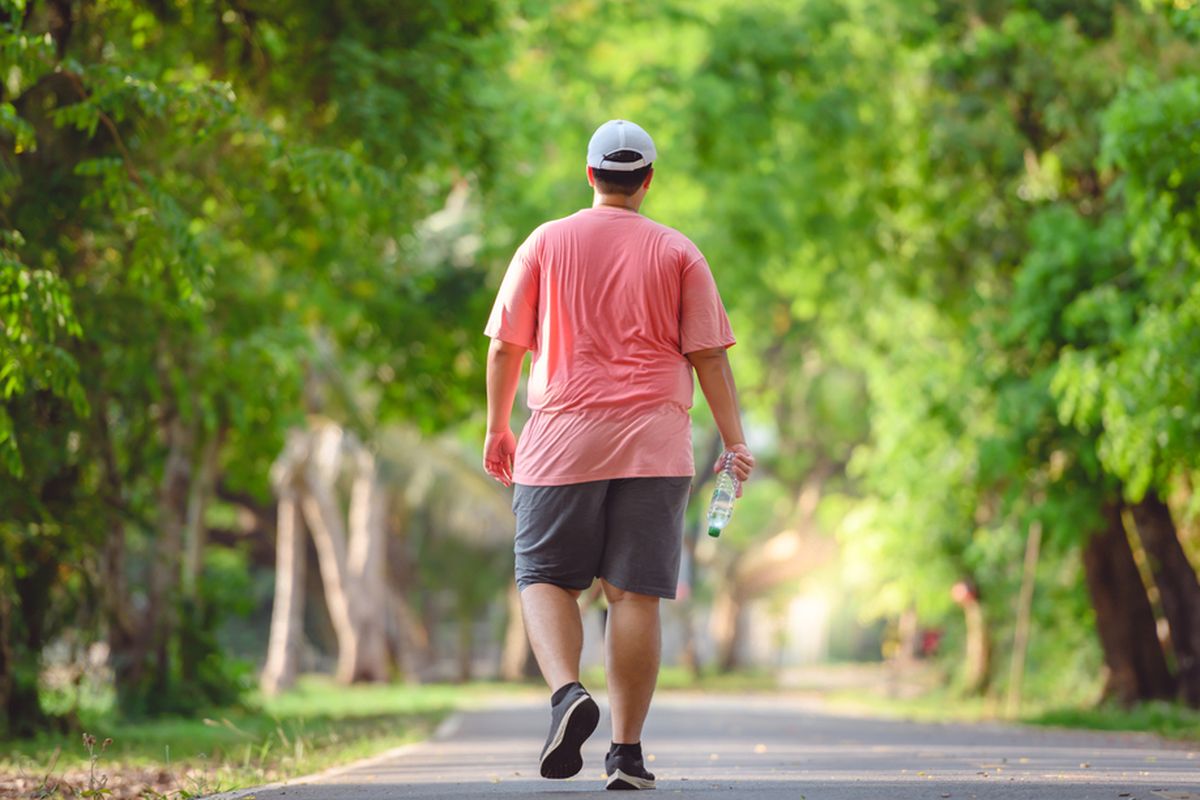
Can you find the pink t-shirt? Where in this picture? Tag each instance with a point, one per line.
(609, 302)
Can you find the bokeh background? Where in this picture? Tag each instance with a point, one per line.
(247, 249)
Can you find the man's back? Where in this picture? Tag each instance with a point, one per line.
(609, 301)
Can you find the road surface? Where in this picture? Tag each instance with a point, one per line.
(767, 748)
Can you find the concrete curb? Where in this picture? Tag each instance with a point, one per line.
(446, 729)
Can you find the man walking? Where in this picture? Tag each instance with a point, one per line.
(618, 311)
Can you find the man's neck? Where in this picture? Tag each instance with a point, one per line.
(629, 203)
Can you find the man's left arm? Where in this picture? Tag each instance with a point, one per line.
(504, 361)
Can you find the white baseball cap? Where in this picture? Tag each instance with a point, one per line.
(614, 136)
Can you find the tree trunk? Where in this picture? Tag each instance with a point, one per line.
(410, 645)
(118, 614)
(352, 595)
(685, 605)
(908, 635)
(367, 566)
(7, 656)
(1016, 672)
(287, 615)
(1178, 589)
(978, 649)
(320, 512)
(1124, 620)
(977, 656)
(727, 629)
(20, 651)
(689, 650)
(161, 620)
(351, 553)
(195, 531)
(466, 648)
(25, 636)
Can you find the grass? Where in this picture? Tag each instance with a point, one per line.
(1168, 720)
(683, 679)
(315, 726)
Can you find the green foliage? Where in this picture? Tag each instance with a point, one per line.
(959, 243)
(316, 726)
(211, 217)
(36, 314)
(1139, 388)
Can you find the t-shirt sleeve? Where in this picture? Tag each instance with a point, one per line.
(703, 323)
(515, 313)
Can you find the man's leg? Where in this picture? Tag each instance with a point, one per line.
(559, 539)
(555, 629)
(632, 646)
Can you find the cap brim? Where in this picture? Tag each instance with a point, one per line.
(619, 166)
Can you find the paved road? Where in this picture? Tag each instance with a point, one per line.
(761, 748)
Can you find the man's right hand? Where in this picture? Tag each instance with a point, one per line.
(498, 450)
(743, 463)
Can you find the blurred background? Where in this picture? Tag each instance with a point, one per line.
(247, 250)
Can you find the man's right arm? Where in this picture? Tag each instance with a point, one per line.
(716, 381)
(503, 374)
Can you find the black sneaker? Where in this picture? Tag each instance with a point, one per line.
(573, 717)
(625, 768)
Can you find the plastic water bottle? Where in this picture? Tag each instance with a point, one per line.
(720, 508)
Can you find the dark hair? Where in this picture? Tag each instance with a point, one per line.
(611, 181)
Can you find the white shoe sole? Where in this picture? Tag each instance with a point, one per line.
(588, 725)
(629, 781)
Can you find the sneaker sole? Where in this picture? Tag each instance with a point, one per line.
(621, 781)
(562, 758)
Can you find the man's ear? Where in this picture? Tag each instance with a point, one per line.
(591, 178)
(649, 177)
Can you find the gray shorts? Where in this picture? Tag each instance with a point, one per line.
(628, 531)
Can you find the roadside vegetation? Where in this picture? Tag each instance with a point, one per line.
(1172, 721)
(315, 726)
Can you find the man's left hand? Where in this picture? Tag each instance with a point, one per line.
(740, 459)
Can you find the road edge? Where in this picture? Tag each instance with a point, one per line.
(446, 729)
